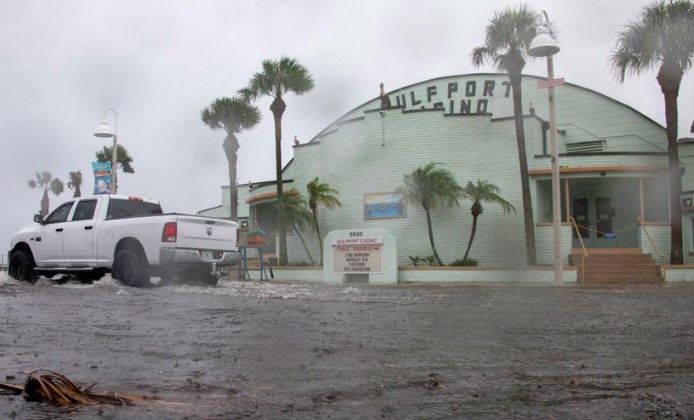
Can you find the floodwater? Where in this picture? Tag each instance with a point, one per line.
(354, 351)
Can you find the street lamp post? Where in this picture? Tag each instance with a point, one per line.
(104, 131)
(543, 45)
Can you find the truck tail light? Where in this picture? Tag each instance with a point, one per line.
(169, 233)
(238, 237)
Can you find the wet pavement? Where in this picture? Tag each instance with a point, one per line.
(289, 351)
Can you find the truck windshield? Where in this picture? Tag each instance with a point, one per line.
(121, 209)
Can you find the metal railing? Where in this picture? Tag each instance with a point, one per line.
(583, 247)
(653, 244)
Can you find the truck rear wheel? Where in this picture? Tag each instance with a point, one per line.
(22, 266)
(130, 269)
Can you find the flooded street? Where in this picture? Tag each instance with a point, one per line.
(269, 350)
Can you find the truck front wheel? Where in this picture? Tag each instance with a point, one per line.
(22, 266)
(130, 269)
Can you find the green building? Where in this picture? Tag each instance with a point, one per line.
(613, 172)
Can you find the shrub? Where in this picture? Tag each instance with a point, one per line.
(468, 262)
(415, 260)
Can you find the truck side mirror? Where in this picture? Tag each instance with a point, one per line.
(38, 218)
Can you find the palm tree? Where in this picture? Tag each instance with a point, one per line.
(482, 192)
(233, 115)
(294, 213)
(75, 183)
(44, 180)
(321, 193)
(429, 187)
(277, 78)
(663, 36)
(124, 161)
(508, 36)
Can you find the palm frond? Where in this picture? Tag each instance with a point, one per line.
(322, 193)
(431, 186)
(507, 37)
(277, 78)
(231, 114)
(662, 34)
(123, 158)
(57, 187)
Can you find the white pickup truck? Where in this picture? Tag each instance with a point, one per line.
(127, 236)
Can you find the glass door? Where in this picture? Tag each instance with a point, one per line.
(595, 219)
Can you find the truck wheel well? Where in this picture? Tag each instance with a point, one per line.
(23, 246)
(131, 244)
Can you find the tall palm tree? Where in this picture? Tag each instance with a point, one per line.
(321, 193)
(508, 36)
(482, 192)
(124, 161)
(662, 36)
(75, 183)
(430, 187)
(294, 213)
(45, 181)
(233, 115)
(278, 78)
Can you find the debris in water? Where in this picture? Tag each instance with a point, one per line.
(54, 388)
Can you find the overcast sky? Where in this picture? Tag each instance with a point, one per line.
(158, 63)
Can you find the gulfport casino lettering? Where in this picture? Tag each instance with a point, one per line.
(461, 98)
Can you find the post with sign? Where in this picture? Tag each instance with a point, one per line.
(354, 255)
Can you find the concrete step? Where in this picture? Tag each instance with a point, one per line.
(631, 273)
(614, 267)
(623, 280)
(614, 257)
(599, 251)
(618, 263)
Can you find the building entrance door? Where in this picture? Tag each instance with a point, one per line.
(594, 217)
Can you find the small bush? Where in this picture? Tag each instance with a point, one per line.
(415, 260)
(468, 262)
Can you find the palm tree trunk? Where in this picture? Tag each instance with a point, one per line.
(277, 107)
(320, 239)
(431, 237)
(301, 238)
(531, 259)
(472, 236)
(45, 203)
(231, 147)
(669, 78)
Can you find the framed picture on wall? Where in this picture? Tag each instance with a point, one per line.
(384, 205)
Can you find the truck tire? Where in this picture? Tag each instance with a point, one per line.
(209, 279)
(22, 266)
(129, 269)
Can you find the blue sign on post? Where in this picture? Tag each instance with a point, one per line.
(102, 177)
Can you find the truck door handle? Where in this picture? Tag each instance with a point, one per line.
(59, 230)
(88, 227)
